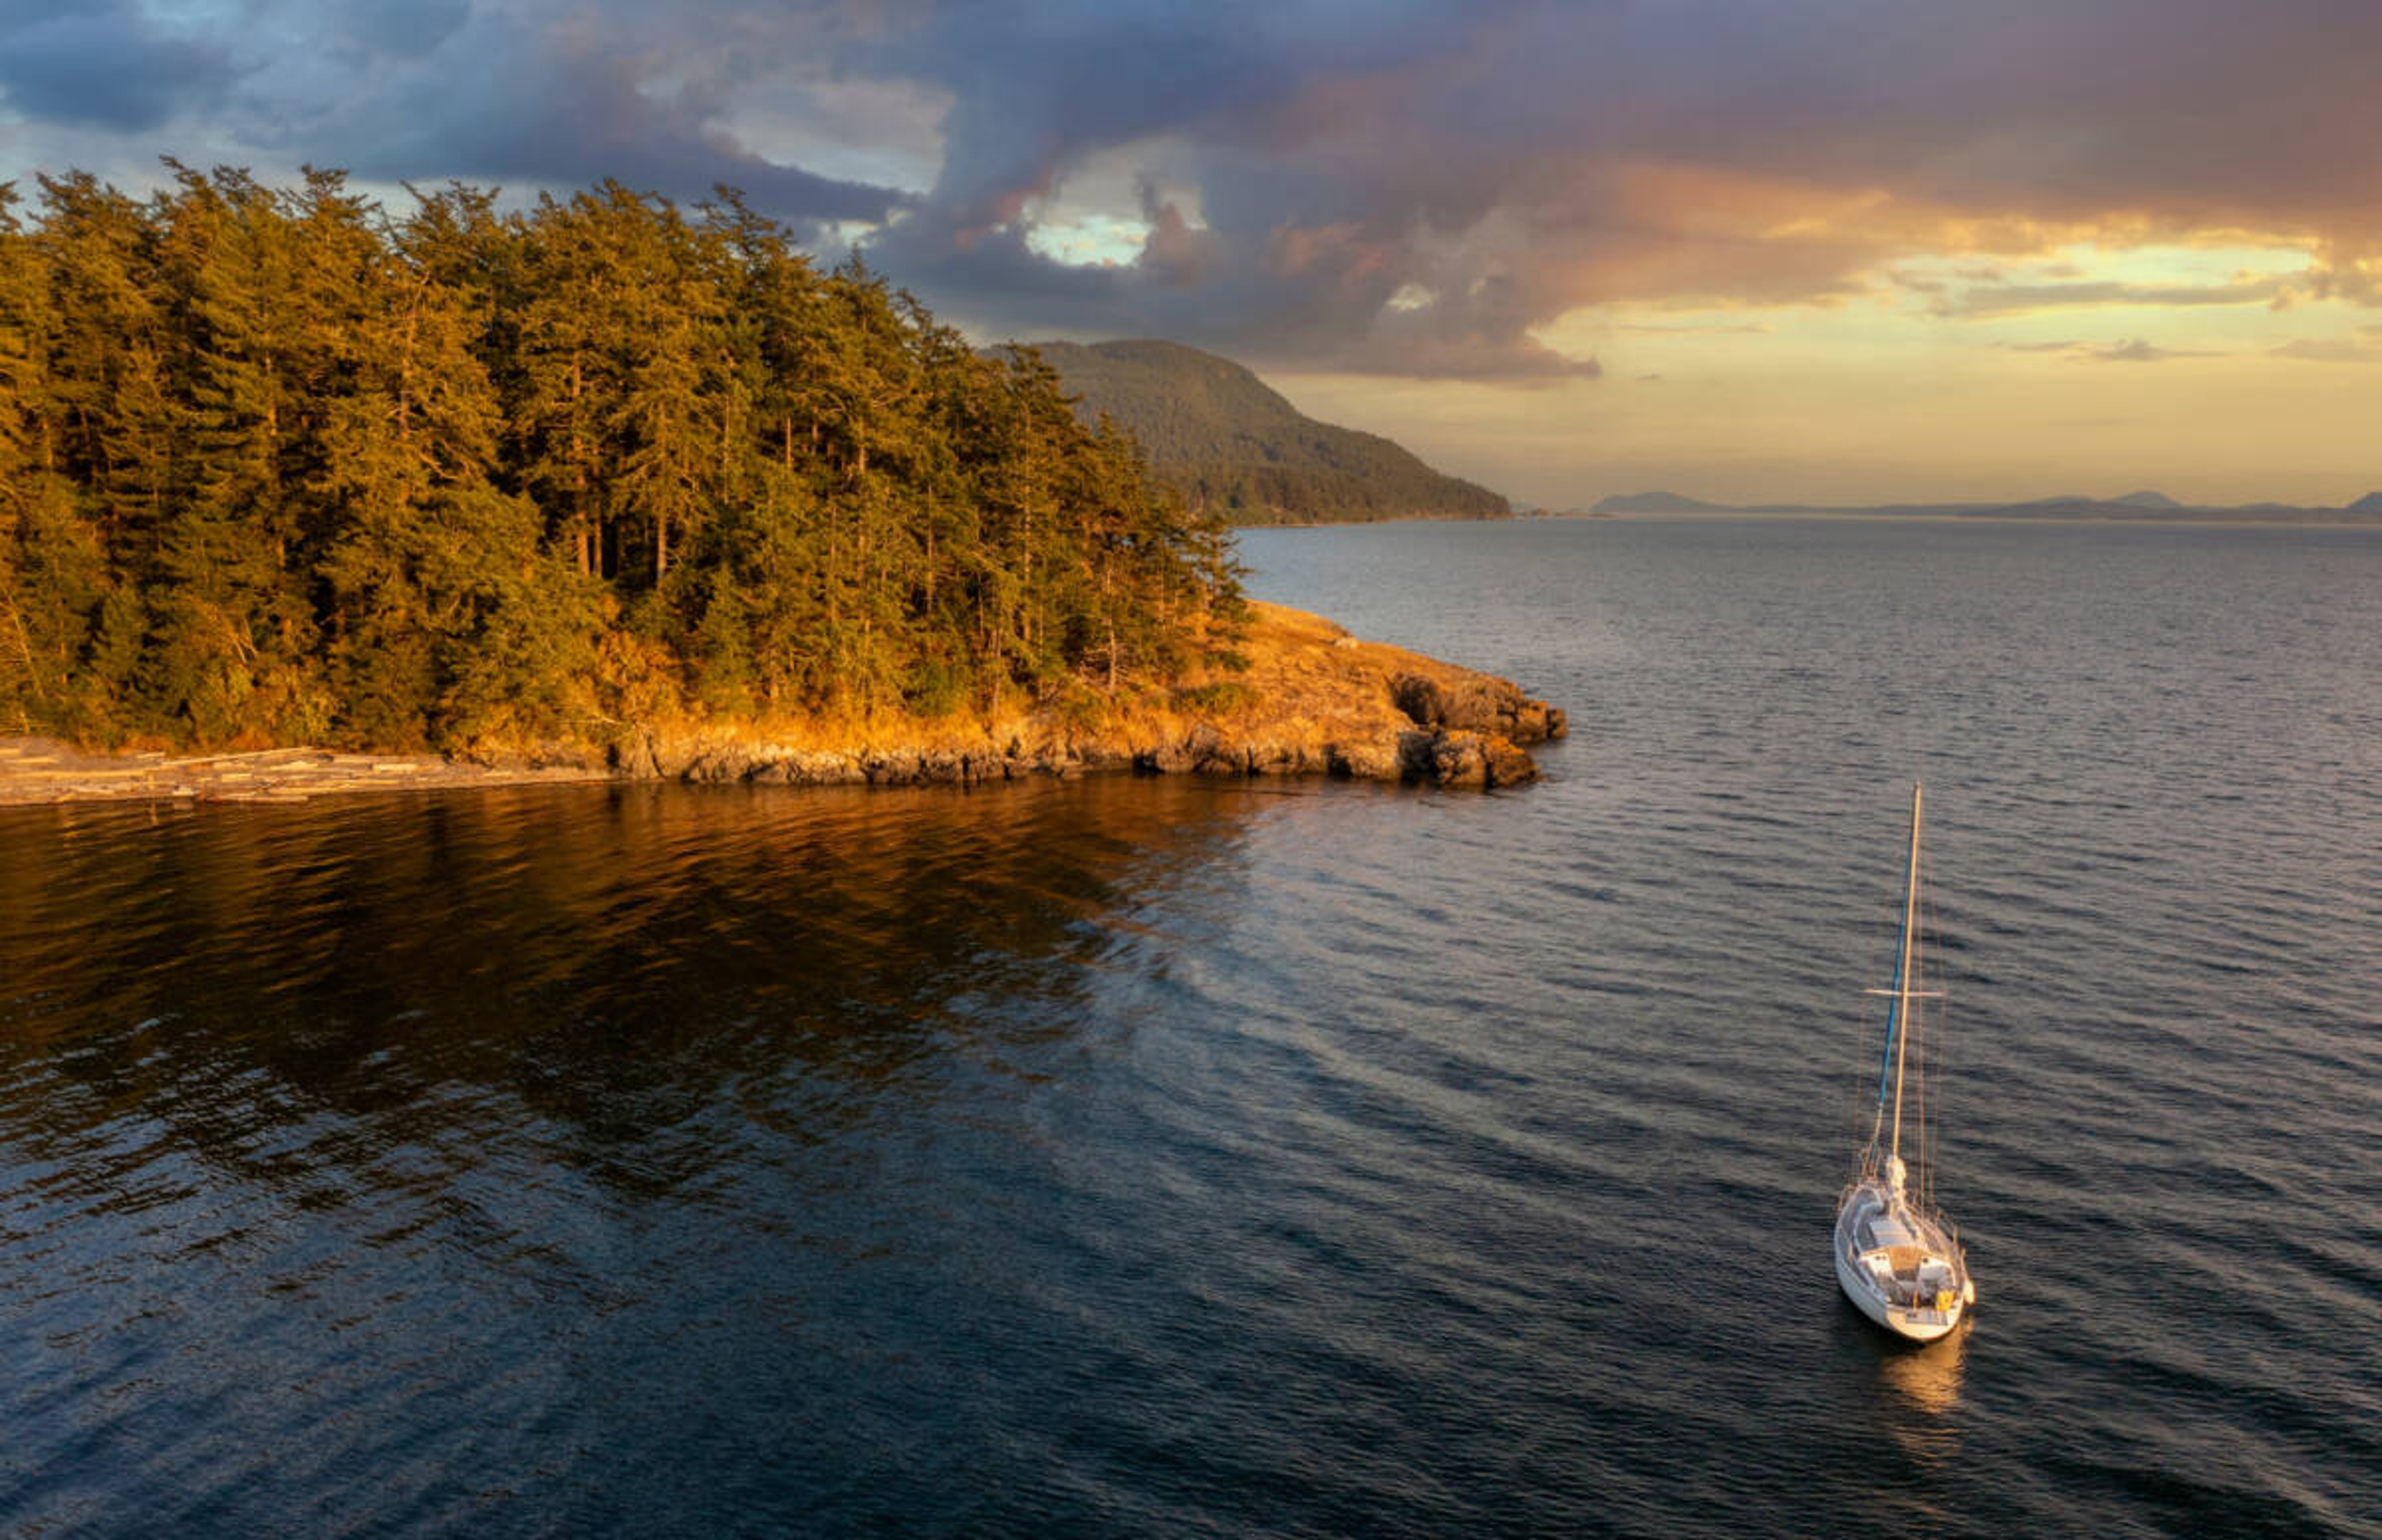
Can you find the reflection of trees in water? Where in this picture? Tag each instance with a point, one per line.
(288, 990)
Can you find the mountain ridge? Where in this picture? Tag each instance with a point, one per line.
(2139, 507)
(1226, 439)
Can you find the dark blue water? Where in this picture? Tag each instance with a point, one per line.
(1148, 1157)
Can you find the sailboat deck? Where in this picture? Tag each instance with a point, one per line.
(1910, 1265)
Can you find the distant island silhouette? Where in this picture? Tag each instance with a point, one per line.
(2139, 507)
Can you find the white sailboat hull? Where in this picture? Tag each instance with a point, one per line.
(1866, 1269)
(1917, 1325)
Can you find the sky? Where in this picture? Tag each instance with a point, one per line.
(1836, 250)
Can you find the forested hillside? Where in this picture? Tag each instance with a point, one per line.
(1227, 442)
(279, 466)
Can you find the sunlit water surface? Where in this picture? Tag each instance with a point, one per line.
(1147, 1157)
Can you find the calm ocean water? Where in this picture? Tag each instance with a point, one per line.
(1143, 1157)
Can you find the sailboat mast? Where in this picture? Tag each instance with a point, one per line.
(1902, 979)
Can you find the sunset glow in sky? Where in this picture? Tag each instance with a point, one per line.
(1812, 249)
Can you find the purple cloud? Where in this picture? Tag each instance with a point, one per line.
(104, 65)
(1403, 187)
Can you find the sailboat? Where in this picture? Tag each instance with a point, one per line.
(1899, 1262)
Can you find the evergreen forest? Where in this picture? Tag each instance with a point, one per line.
(279, 465)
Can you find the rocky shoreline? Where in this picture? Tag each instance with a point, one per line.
(1311, 701)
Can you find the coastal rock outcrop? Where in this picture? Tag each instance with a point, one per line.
(1312, 700)
(1460, 757)
(1481, 703)
(1299, 697)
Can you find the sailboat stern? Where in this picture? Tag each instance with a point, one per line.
(1900, 1269)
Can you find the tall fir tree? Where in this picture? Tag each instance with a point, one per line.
(274, 465)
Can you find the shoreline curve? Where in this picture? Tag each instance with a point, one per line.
(1311, 700)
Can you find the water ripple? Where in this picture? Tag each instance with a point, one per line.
(1138, 1157)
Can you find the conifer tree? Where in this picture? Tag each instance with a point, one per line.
(275, 466)
(52, 573)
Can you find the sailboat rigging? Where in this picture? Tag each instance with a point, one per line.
(1898, 1260)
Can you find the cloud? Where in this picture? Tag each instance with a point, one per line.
(1744, 329)
(2021, 299)
(2136, 350)
(1311, 249)
(544, 93)
(1174, 254)
(1579, 156)
(1296, 166)
(2129, 350)
(2350, 269)
(2331, 350)
(105, 64)
(365, 29)
(561, 100)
